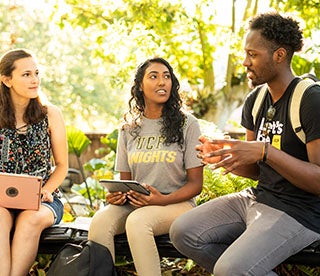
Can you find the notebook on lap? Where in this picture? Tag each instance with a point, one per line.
(20, 191)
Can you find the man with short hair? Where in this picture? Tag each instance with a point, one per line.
(251, 232)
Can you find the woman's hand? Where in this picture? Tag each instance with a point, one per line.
(139, 200)
(117, 198)
(46, 196)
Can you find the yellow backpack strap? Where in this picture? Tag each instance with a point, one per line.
(259, 99)
(294, 107)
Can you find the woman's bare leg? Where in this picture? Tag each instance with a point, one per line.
(6, 222)
(25, 242)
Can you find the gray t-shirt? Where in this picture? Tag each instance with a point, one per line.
(152, 162)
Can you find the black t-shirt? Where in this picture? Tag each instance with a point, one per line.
(273, 189)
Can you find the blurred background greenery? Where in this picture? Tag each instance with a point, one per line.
(89, 50)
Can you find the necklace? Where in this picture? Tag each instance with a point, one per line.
(270, 113)
(268, 122)
(22, 129)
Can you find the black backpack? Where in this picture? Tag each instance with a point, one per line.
(85, 259)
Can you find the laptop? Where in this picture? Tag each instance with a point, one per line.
(20, 191)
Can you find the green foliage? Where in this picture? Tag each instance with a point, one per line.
(77, 141)
(106, 170)
(110, 141)
(41, 265)
(308, 271)
(301, 65)
(216, 184)
(94, 164)
(308, 10)
(96, 191)
(72, 77)
(189, 265)
(102, 168)
(77, 144)
(153, 28)
(199, 101)
(88, 62)
(317, 68)
(296, 270)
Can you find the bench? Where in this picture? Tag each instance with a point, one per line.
(53, 238)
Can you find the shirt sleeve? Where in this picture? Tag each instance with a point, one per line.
(310, 113)
(192, 134)
(121, 164)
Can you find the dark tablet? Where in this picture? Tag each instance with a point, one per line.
(123, 186)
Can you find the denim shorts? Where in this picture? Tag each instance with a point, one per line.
(56, 207)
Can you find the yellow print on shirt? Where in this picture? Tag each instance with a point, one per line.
(149, 149)
(149, 142)
(276, 141)
(158, 156)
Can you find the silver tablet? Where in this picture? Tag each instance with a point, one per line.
(123, 186)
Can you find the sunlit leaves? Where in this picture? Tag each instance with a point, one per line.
(77, 141)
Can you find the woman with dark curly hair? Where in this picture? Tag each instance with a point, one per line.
(251, 232)
(171, 113)
(156, 147)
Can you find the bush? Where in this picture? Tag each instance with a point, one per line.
(216, 184)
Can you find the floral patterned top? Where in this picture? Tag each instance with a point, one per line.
(26, 152)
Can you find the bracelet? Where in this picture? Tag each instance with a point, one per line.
(265, 152)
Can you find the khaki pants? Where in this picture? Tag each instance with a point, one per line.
(141, 225)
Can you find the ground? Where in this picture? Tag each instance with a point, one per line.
(169, 266)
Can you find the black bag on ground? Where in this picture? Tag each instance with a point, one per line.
(85, 259)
